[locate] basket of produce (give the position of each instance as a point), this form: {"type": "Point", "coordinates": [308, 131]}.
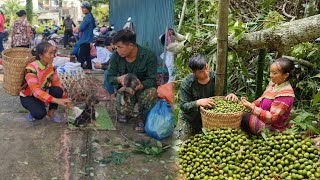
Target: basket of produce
{"type": "Point", "coordinates": [224, 114]}
{"type": "Point", "coordinates": [15, 61]}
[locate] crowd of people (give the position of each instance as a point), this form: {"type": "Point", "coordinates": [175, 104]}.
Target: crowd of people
{"type": "Point", "coordinates": [122, 55]}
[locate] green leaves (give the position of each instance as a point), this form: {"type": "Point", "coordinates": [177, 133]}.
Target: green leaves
{"type": "Point", "coordinates": [237, 30]}
{"type": "Point", "coordinates": [304, 121]}
{"type": "Point", "coordinates": [146, 148]}
{"type": "Point", "coordinates": [316, 98]}
{"type": "Point", "coordinates": [272, 19]}
{"type": "Point", "coordinates": [115, 157]}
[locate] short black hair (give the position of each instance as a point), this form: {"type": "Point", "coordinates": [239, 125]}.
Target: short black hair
{"type": "Point", "coordinates": [42, 48]}
{"type": "Point", "coordinates": [197, 62]}
{"type": "Point", "coordinates": [126, 36]}
{"type": "Point", "coordinates": [72, 39]}
{"type": "Point", "coordinates": [108, 41]}
{"type": "Point", "coordinates": [286, 66]}
{"type": "Point", "coordinates": [21, 13]}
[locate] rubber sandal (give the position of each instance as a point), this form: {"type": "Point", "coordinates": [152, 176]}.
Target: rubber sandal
{"type": "Point", "coordinates": [30, 118]}
{"type": "Point", "coordinates": [56, 118]}
{"type": "Point", "coordinates": [140, 127]}
{"type": "Point", "coordinates": [122, 118]}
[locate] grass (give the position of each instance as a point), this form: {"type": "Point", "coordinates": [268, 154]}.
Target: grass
{"type": "Point", "coordinates": [104, 121]}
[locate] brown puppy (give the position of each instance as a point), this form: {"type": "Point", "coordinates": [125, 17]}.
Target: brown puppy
{"type": "Point", "coordinates": [129, 88]}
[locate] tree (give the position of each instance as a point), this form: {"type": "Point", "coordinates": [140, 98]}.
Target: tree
{"type": "Point", "coordinates": [222, 46]}
{"type": "Point", "coordinates": [29, 8]}
{"type": "Point", "coordinates": [280, 37]}
{"type": "Point", "coordinates": [97, 2]}
{"type": "Point", "coordinates": [11, 7]}
{"type": "Point", "coordinates": [101, 13]}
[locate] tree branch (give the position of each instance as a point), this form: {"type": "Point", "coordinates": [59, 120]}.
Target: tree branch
{"type": "Point", "coordinates": [279, 38]}
{"type": "Point", "coordinates": [301, 61]}
{"type": "Point", "coordinates": [182, 15]}
{"type": "Point", "coordinates": [286, 14]}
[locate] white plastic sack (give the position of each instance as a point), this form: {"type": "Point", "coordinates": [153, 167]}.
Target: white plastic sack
{"type": "Point", "coordinates": [60, 61]}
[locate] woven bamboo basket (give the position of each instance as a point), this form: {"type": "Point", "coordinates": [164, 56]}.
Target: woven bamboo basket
{"type": "Point", "coordinates": [15, 61]}
{"type": "Point", "coordinates": [220, 120]}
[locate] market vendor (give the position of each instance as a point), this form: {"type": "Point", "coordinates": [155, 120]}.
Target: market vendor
{"type": "Point", "coordinates": [42, 85]}
{"type": "Point", "coordinates": [273, 108]}
{"type": "Point", "coordinates": [133, 58]}
{"type": "Point", "coordinates": [195, 91]}
{"type": "Point", "coordinates": [105, 55]}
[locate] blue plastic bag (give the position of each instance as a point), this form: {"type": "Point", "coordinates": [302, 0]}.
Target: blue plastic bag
{"type": "Point", "coordinates": [160, 123]}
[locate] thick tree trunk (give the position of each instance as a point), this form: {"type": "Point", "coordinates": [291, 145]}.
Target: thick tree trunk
{"type": "Point", "coordinates": [281, 37]}
{"type": "Point", "coordinates": [222, 47]}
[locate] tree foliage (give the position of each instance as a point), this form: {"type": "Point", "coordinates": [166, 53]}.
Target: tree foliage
{"type": "Point", "coordinates": [245, 17]}
{"type": "Point", "coordinates": [95, 3]}
{"type": "Point", "coordinates": [101, 13]}
{"type": "Point", "coordinates": [11, 7]}
{"type": "Point", "coordinates": [29, 9]}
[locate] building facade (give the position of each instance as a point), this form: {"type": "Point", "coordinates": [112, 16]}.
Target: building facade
{"type": "Point", "coordinates": [49, 10]}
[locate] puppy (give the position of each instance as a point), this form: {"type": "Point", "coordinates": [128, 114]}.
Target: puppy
{"type": "Point", "coordinates": [129, 88]}
{"type": "Point", "coordinates": [88, 115]}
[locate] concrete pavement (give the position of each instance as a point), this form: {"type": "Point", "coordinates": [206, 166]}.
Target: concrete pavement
{"type": "Point", "coordinates": [48, 150]}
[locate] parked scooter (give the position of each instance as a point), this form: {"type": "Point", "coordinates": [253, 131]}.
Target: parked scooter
{"type": "Point", "coordinates": [103, 34]}
{"type": "Point", "coordinates": [47, 32]}
{"type": "Point", "coordinates": [111, 31]}
{"type": "Point", "coordinates": [129, 25]}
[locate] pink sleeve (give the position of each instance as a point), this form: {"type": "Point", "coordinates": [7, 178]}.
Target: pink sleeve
{"type": "Point", "coordinates": [278, 108]}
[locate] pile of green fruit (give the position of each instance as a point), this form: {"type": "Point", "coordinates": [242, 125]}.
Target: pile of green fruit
{"type": "Point", "coordinates": [231, 154]}
{"type": "Point", "coordinates": [225, 106]}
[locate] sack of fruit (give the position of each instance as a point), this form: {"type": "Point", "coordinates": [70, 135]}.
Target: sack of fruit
{"type": "Point", "coordinates": [224, 114]}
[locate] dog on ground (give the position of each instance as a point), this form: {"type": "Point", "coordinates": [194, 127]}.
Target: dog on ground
{"type": "Point", "coordinates": [88, 115]}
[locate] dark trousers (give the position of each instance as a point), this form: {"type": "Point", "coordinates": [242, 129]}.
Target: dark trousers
{"type": "Point", "coordinates": [23, 46]}
{"type": "Point", "coordinates": [84, 55]}
{"type": "Point", "coordinates": [36, 107]}
{"type": "Point", "coordinates": [1, 43]}
{"type": "Point", "coordinates": [67, 35]}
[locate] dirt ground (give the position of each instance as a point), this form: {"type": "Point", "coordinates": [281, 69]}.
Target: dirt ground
{"type": "Point", "coordinates": [49, 150]}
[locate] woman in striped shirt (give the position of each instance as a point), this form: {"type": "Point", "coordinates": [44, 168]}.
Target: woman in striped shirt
{"type": "Point", "coordinates": [273, 108]}
{"type": "Point", "coordinates": [42, 85]}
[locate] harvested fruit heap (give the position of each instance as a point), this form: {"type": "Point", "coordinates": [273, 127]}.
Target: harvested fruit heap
{"type": "Point", "coordinates": [231, 154]}
{"type": "Point", "coordinates": [225, 106]}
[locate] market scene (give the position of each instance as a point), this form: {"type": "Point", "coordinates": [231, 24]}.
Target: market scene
{"type": "Point", "coordinates": [169, 89]}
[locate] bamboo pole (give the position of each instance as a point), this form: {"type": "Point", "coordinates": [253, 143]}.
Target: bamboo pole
{"type": "Point", "coordinates": [259, 78]}
{"type": "Point", "coordinates": [196, 4]}
{"type": "Point", "coordinates": [182, 15]}
{"type": "Point", "coordinates": [222, 46]}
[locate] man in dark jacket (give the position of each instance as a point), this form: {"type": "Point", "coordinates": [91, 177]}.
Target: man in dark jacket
{"type": "Point", "coordinates": [68, 25]}
{"type": "Point", "coordinates": [195, 91]}
{"type": "Point", "coordinates": [133, 58]}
